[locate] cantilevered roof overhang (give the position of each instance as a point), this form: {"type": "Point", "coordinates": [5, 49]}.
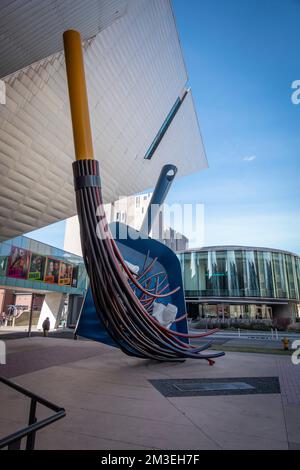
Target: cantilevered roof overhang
{"type": "Point", "coordinates": [135, 73]}
{"type": "Point", "coordinates": [32, 29]}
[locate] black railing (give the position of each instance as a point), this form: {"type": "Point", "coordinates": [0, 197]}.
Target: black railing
{"type": "Point", "coordinates": [13, 441]}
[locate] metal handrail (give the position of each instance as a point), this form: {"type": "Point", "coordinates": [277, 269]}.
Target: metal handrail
{"type": "Point", "coordinates": [13, 441]}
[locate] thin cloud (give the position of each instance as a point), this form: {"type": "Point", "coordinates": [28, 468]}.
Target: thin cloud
{"type": "Point", "coordinates": [249, 159]}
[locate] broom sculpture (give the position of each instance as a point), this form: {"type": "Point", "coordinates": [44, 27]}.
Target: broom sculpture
{"type": "Point", "coordinates": [123, 300]}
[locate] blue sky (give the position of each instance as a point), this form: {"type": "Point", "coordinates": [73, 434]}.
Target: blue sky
{"type": "Point", "coordinates": [242, 57]}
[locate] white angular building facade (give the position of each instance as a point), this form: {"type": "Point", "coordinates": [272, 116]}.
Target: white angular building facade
{"type": "Point", "coordinates": [135, 72]}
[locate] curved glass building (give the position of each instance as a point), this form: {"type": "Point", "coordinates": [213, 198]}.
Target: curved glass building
{"type": "Point", "coordinates": [238, 275]}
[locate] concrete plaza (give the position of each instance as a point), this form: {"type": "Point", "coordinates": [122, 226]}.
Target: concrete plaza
{"type": "Point", "coordinates": [111, 404]}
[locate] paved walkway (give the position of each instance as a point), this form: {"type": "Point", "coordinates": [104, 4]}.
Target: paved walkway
{"type": "Point", "coordinates": [111, 404]}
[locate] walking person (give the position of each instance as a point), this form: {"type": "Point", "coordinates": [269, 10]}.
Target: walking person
{"type": "Point", "coordinates": [46, 326]}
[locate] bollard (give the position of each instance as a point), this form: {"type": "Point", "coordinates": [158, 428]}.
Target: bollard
{"type": "Point", "coordinates": [285, 342]}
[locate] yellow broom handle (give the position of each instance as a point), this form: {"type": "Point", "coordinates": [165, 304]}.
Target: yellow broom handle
{"type": "Point", "coordinates": [78, 96]}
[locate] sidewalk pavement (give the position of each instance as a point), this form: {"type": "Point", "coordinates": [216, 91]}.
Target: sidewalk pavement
{"type": "Point", "coordinates": [111, 404]}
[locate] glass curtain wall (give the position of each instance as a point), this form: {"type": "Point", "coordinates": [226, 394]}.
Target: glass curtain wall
{"type": "Point", "coordinates": [241, 273]}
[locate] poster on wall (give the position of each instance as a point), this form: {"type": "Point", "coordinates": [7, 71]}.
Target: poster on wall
{"type": "Point", "coordinates": [65, 274]}
{"type": "Point", "coordinates": [3, 265]}
{"type": "Point", "coordinates": [52, 271]}
{"type": "Point", "coordinates": [18, 263]}
{"type": "Point", "coordinates": [37, 267]}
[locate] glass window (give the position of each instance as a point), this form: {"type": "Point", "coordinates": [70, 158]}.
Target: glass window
{"type": "Point", "coordinates": [212, 274]}
{"type": "Point", "coordinates": [251, 275]}
{"type": "Point", "coordinates": [232, 275]}
{"type": "Point", "coordinates": [221, 273]}
{"type": "Point", "coordinates": [291, 276]}
{"type": "Point", "coordinates": [202, 266]}
{"type": "Point", "coordinates": [280, 277]}
{"type": "Point", "coordinates": [240, 272]}
{"type": "Point", "coordinates": [190, 274]}
{"type": "Point", "coordinates": [265, 274]}
{"type": "Point", "coordinates": [297, 269]}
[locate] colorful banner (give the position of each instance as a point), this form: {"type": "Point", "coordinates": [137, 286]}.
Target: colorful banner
{"type": "Point", "coordinates": [18, 263]}
{"type": "Point", "coordinates": [23, 264]}
{"type": "Point", "coordinates": [65, 274]}
{"type": "Point", "coordinates": [37, 268]}
{"type": "Point", "coordinates": [52, 271]}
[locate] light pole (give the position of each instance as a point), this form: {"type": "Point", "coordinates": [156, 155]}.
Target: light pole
{"type": "Point", "coordinates": [30, 316]}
